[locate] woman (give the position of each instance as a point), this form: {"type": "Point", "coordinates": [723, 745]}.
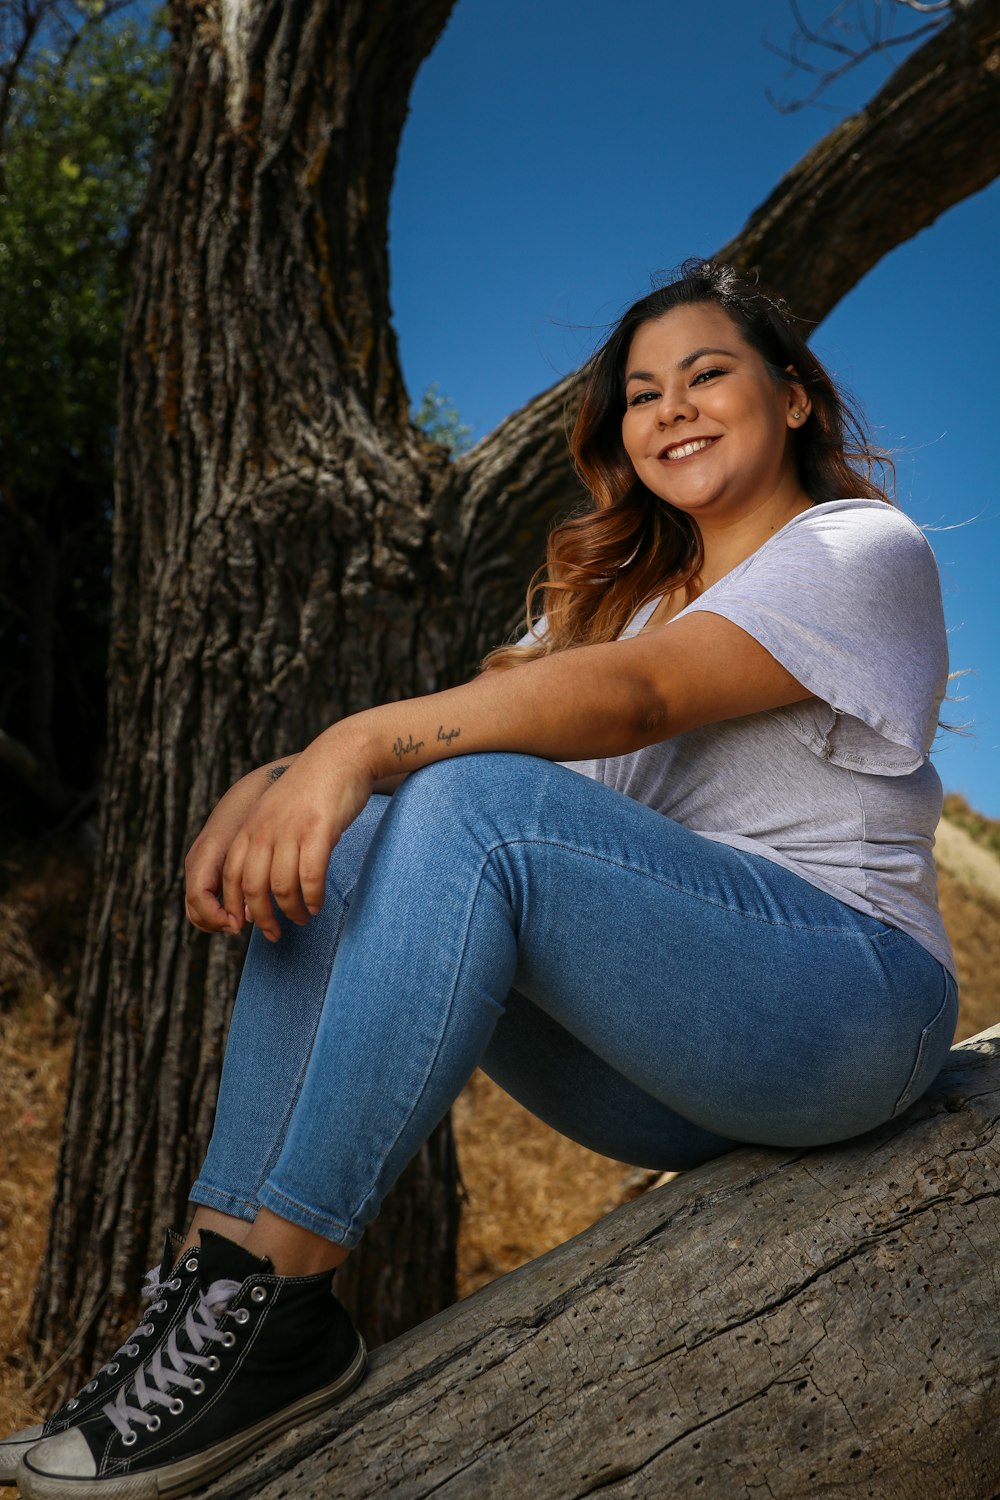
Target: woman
{"type": "Point", "coordinates": [744, 947]}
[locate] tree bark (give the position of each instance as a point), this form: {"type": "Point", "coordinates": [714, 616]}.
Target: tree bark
{"type": "Point", "coordinates": [776, 1323]}
{"type": "Point", "coordinates": [288, 549]}
{"type": "Point", "coordinates": [279, 562]}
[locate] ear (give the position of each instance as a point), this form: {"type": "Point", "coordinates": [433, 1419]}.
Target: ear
{"type": "Point", "coordinates": [798, 404]}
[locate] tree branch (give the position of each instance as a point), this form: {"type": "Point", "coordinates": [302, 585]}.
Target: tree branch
{"type": "Point", "coordinates": [776, 1322]}
{"type": "Point", "coordinates": [926, 141]}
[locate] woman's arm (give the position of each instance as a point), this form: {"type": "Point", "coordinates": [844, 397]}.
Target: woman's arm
{"type": "Point", "coordinates": [589, 702]}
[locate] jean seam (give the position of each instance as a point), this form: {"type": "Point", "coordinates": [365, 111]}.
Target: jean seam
{"type": "Point", "coordinates": [696, 896]}
{"type": "Point", "coordinates": [927, 1032]}
{"type": "Point", "coordinates": [345, 1232]}
{"type": "Point", "coordinates": [446, 1018]}
{"type": "Point", "coordinates": [276, 1145]}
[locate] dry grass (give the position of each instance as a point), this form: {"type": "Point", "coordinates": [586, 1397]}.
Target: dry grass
{"type": "Point", "coordinates": [35, 1044]}
{"type": "Point", "coordinates": [528, 1188]}
{"type": "Point", "coordinates": [973, 921]}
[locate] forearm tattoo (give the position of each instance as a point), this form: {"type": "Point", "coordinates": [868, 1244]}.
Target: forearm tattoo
{"type": "Point", "coordinates": [411, 747]}
{"type": "Point", "coordinates": [275, 772]}
{"type": "Point", "coordinates": [402, 748]}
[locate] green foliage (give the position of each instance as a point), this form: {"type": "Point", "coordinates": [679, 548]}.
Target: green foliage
{"type": "Point", "coordinates": [73, 167]}
{"type": "Point", "coordinates": [439, 419]}
{"type": "Point", "coordinates": [71, 178]}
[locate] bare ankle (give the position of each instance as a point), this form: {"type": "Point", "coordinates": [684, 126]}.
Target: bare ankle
{"type": "Point", "coordinates": [213, 1218]}
{"type": "Point", "coordinates": [292, 1250]}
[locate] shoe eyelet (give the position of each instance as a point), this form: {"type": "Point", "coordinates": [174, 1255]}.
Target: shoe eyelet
{"type": "Point", "coordinates": [214, 1363]}
{"type": "Point", "coordinates": [241, 1315]}
{"type": "Point", "coordinates": [72, 1405]}
{"type": "Point", "coordinates": [154, 1424]}
{"type": "Point", "coordinates": [191, 1265]}
{"type": "Point", "coordinates": [198, 1388]}
{"type": "Point", "coordinates": [91, 1385]}
{"type": "Point", "coordinates": [113, 1369]}
{"type": "Point", "coordinates": [174, 1283]}
{"type": "Point", "coordinates": [129, 1439]}
{"type": "Point", "coordinates": [228, 1340]}
{"type": "Point", "coordinates": [144, 1330]}
{"type": "Point", "coordinates": [131, 1350]}
{"type": "Point", "coordinates": [259, 1294]}
{"type": "Point", "coordinates": [160, 1306]}
{"type": "Point", "coordinates": [176, 1406]}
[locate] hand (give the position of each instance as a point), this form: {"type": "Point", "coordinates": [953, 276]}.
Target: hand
{"type": "Point", "coordinates": [283, 847]}
{"type": "Point", "coordinates": [207, 855]}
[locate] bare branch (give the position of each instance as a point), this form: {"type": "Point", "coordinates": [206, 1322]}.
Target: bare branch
{"type": "Point", "coordinates": [833, 37]}
{"type": "Point", "coordinates": [57, 25]}
{"type": "Point", "coordinates": [924, 142]}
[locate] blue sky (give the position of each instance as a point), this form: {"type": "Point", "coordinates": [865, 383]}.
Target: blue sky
{"type": "Point", "coordinates": [558, 152]}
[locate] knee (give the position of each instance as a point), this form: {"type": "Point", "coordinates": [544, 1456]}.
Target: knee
{"type": "Point", "coordinates": [484, 789]}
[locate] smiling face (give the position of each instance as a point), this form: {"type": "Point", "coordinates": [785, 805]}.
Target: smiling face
{"type": "Point", "coordinates": [706, 426]}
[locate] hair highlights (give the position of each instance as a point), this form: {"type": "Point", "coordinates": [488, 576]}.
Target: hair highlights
{"type": "Point", "coordinates": [602, 566]}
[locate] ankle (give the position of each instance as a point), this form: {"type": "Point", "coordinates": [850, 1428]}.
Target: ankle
{"type": "Point", "coordinates": [233, 1229]}
{"type": "Point", "coordinates": [292, 1250]}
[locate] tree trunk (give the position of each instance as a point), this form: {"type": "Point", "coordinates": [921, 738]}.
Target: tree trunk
{"type": "Point", "coordinates": [279, 562]}
{"type": "Point", "coordinates": [289, 549]}
{"type": "Point", "coordinates": [775, 1323]}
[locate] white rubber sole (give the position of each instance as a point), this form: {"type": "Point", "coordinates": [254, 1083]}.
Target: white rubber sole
{"type": "Point", "coordinates": [172, 1480]}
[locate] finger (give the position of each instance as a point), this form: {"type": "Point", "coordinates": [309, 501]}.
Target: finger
{"type": "Point", "coordinates": [232, 883]}
{"type": "Point", "coordinates": [207, 918]}
{"type": "Point", "coordinates": [314, 858]}
{"type": "Point", "coordinates": [285, 882]}
{"type": "Point", "coordinates": [255, 888]}
{"type": "Point", "coordinates": [201, 900]}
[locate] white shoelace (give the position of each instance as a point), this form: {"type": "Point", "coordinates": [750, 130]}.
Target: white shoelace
{"type": "Point", "coordinates": [152, 1288]}
{"type": "Point", "coordinates": [168, 1369]}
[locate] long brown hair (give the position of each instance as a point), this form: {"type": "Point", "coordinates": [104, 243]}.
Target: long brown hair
{"type": "Point", "coordinates": [602, 566]}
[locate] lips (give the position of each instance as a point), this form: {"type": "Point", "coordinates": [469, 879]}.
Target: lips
{"type": "Point", "coordinates": [675, 451]}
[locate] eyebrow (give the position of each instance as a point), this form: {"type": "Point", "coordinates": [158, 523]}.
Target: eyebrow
{"type": "Point", "coordinates": [682, 364]}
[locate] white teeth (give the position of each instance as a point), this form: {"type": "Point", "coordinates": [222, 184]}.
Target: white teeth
{"type": "Point", "coordinates": [687, 449]}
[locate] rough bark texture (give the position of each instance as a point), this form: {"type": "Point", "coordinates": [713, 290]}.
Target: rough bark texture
{"type": "Point", "coordinates": [775, 1324]}
{"type": "Point", "coordinates": [288, 549]}
{"type": "Point", "coordinates": [278, 563]}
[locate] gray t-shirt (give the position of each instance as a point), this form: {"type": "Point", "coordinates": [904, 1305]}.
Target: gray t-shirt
{"type": "Point", "coordinates": [838, 788]}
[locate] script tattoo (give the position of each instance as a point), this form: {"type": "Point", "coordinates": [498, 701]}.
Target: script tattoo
{"type": "Point", "coordinates": [412, 747]}
{"type": "Point", "coordinates": [447, 735]}
{"type": "Point", "coordinates": [275, 772]}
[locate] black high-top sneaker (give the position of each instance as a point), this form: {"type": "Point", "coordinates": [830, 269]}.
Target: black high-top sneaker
{"type": "Point", "coordinates": [167, 1291]}
{"type": "Point", "coordinates": [255, 1353]}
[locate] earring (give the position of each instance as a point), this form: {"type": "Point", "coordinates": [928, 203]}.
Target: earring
{"type": "Point", "coordinates": [796, 416]}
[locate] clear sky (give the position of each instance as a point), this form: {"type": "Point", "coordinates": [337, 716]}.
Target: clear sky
{"type": "Point", "coordinates": [558, 152]}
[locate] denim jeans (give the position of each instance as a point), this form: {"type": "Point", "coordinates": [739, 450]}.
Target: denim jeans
{"type": "Point", "coordinates": [655, 995]}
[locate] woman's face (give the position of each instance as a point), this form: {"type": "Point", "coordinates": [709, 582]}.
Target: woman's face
{"type": "Point", "coordinates": [706, 427]}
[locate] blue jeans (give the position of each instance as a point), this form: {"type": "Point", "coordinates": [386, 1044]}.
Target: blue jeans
{"type": "Point", "coordinates": [652, 994]}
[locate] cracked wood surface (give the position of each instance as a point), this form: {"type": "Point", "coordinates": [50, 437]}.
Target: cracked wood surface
{"type": "Point", "coordinates": [777, 1324]}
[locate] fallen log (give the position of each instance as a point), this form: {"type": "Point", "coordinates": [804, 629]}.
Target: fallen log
{"type": "Point", "coordinates": [774, 1324]}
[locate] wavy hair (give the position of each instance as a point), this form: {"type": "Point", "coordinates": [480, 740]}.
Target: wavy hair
{"type": "Point", "coordinates": [631, 545]}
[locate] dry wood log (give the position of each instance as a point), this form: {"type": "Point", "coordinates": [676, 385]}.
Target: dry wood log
{"type": "Point", "coordinates": [776, 1324]}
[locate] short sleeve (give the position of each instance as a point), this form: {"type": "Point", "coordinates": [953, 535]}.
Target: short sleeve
{"type": "Point", "coordinates": [847, 597]}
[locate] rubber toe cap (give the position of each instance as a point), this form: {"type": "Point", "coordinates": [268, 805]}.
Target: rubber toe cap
{"type": "Point", "coordinates": [64, 1456]}
{"type": "Point", "coordinates": [13, 1449]}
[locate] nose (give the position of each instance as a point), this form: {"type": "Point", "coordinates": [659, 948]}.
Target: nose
{"type": "Point", "coordinates": [675, 407]}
